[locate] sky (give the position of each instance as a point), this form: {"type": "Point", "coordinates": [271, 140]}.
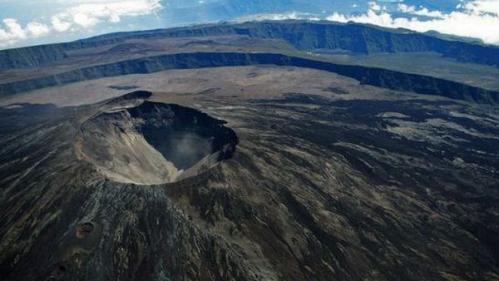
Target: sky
{"type": "Point", "coordinates": [29, 22]}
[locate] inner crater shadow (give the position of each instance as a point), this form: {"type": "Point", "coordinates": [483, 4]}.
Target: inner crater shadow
{"type": "Point", "coordinates": [184, 136]}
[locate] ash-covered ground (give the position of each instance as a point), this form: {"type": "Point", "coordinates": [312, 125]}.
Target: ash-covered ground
{"type": "Point", "coordinates": [138, 159]}
{"type": "Point", "coordinates": [333, 181]}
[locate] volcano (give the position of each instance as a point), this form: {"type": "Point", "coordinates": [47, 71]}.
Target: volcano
{"type": "Point", "coordinates": [283, 150]}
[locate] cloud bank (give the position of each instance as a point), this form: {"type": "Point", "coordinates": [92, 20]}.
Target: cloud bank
{"type": "Point", "coordinates": [78, 15]}
{"type": "Point", "coordinates": [477, 19]}
{"type": "Point", "coordinates": [72, 18]}
{"type": "Point", "coordinates": [291, 15]}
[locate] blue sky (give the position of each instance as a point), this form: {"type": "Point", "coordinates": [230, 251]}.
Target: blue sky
{"type": "Point", "coordinates": [28, 22]}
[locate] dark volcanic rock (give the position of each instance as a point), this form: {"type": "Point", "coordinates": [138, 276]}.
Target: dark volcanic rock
{"type": "Point", "coordinates": [316, 190]}
{"type": "Point", "coordinates": [338, 182]}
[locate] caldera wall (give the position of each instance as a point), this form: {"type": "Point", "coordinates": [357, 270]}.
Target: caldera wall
{"type": "Point", "coordinates": [153, 143]}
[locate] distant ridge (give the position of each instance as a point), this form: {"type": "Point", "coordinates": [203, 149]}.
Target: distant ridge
{"type": "Point", "coordinates": [303, 35]}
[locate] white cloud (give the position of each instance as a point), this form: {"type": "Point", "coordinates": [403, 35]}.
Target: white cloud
{"type": "Point", "coordinates": [11, 33]}
{"type": "Point", "coordinates": [374, 6]}
{"type": "Point", "coordinates": [293, 15]}
{"type": "Point", "coordinates": [14, 28]}
{"type": "Point", "coordinates": [90, 13]}
{"type": "Point", "coordinates": [59, 24]}
{"type": "Point", "coordinates": [478, 19]}
{"type": "Point", "coordinates": [36, 29]}
{"type": "Point", "coordinates": [80, 14]}
{"type": "Point", "coordinates": [422, 11]}
{"type": "Point", "coordinates": [482, 6]}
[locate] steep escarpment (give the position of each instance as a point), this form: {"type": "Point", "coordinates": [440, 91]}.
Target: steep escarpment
{"type": "Point", "coordinates": [355, 38]}
{"type": "Point", "coordinates": [368, 75]}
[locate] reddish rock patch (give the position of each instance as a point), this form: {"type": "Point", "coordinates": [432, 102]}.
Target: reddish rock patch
{"type": "Point", "coordinates": [83, 230]}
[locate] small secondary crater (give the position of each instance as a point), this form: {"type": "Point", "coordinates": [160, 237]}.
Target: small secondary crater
{"type": "Point", "coordinates": [57, 273]}
{"type": "Point", "coordinates": [154, 143]}
{"type": "Point", "coordinates": [83, 230]}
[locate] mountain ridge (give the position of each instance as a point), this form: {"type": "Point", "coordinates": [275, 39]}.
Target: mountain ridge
{"type": "Point", "coordinates": [303, 35]}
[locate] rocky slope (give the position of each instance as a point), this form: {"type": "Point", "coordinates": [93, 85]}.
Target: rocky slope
{"type": "Point", "coordinates": [317, 189]}
{"type": "Point", "coordinates": [241, 163]}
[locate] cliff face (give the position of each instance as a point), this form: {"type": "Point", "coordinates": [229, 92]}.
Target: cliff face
{"type": "Point", "coordinates": [355, 38]}
{"type": "Point", "coordinates": [371, 76]}
{"type": "Point", "coordinates": [365, 39]}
